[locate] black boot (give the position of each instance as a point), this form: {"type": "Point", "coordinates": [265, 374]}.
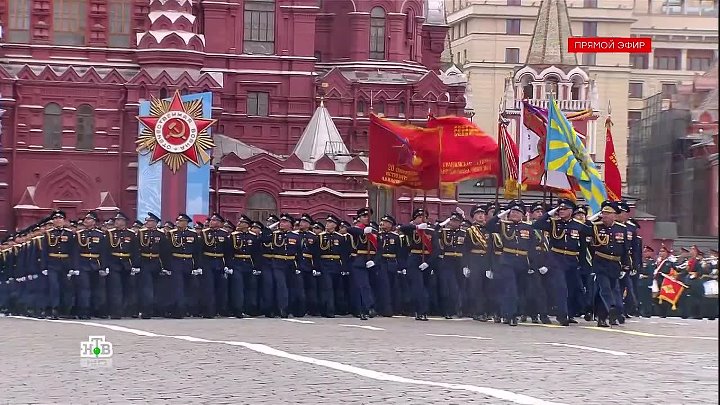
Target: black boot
{"type": "Point", "coordinates": [602, 323]}
{"type": "Point", "coordinates": [363, 317]}
{"type": "Point", "coordinates": [54, 314]}
{"type": "Point", "coordinates": [482, 318]}
{"type": "Point", "coordinates": [513, 322]}
{"type": "Point", "coordinates": [534, 319]}
{"type": "Point", "coordinates": [523, 318]}
{"type": "Point", "coordinates": [545, 320]}
{"type": "Point", "coordinates": [424, 317]}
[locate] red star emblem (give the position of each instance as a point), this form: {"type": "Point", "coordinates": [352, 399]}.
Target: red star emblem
{"type": "Point", "coordinates": [176, 132]}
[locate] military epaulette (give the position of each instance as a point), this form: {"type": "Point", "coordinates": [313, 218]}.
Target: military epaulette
{"type": "Point", "coordinates": [394, 233]}
{"type": "Point", "coordinates": [597, 223]}
{"type": "Point", "coordinates": [296, 232]}
{"type": "Point", "coordinates": [38, 237]}
{"type": "Point", "coordinates": [191, 230]}
{"type": "Point", "coordinates": [579, 221]}
{"type": "Point", "coordinates": [253, 233]}
{"type": "Point", "coordinates": [526, 222]}
{"type": "Point", "coordinates": [277, 231]}
{"type": "Point", "coordinates": [142, 229]}
{"type": "Point", "coordinates": [172, 230]}
{"type": "Point", "coordinates": [505, 221]}
{"type": "Point", "coordinates": [618, 223]}
{"type": "Point", "coordinates": [111, 229]}
{"type": "Point", "coordinates": [68, 229]}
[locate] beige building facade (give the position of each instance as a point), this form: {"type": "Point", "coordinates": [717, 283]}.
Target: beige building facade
{"type": "Point", "coordinates": [490, 40]}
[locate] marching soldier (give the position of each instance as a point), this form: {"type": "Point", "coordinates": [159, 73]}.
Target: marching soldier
{"type": "Point", "coordinates": [334, 248]}
{"type": "Point", "coordinates": [420, 237]}
{"type": "Point", "coordinates": [90, 258]}
{"type": "Point", "coordinates": [350, 303]}
{"type": "Point", "coordinates": [478, 262]}
{"type": "Point", "coordinates": [627, 285]}
{"type": "Point", "coordinates": [264, 297]}
{"type": "Point", "coordinates": [58, 250]}
{"type": "Point", "coordinates": [534, 290]}
{"type": "Point", "coordinates": [305, 283]}
{"type": "Point", "coordinates": [184, 263]}
{"type": "Point", "coordinates": [585, 265]}
{"type": "Point", "coordinates": [664, 264]}
{"type": "Point", "coordinates": [286, 251]}
{"type": "Point", "coordinates": [516, 238]}
{"type": "Point", "coordinates": [449, 249]}
{"type": "Point", "coordinates": [565, 235]}
{"type": "Point", "coordinates": [217, 255]}
{"type": "Point", "coordinates": [611, 261]}
{"type": "Point", "coordinates": [389, 251]}
{"type": "Point", "coordinates": [153, 254]}
{"type": "Point", "coordinates": [122, 266]}
{"type": "Point", "coordinates": [246, 252]}
{"type": "Point", "coordinates": [364, 244]}
{"type": "Point", "coordinates": [645, 282]}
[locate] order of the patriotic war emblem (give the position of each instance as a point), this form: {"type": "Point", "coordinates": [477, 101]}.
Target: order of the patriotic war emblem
{"type": "Point", "coordinates": [175, 132]}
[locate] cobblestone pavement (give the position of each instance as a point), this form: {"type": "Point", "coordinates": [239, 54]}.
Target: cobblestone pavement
{"type": "Point", "coordinates": [332, 361]}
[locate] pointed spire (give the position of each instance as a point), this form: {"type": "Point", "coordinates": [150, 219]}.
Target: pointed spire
{"type": "Point", "coordinates": [550, 38]}
{"type": "Point", "coordinates": [320, 137]}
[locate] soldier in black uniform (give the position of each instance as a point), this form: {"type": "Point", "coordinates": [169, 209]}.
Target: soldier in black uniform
{"type": "Point", "coordinates": [390, 251]}
{"type": "Point", "coordinates": [184, 256]}
{"type": "Point", "coordinates": [254, 290]}
{"type": "Point", "coordinates": [535, 297]}
{"type": "Point", "coordinates": [420, 237]}
{"type": "Point", "coordinates": [286, 250]}
{"type": "Point", "coordinates": [334, 248]}
{"type": "Point", "coordinates": [122, 265]}
{"type": "Point", "coordinates": [245, 247]}
{"type": "Point", "coordinates": [58, 250]}
{"type": "Point", "coordinates": [309, 264]}
{"type": "Point", "coordinates": [478, 262]}
{"type": "Point", "coordinates": [364, 245]}
{"type": "Point", "coordinates": [153, 255]}
{"type": "Point", "coordinates": [450, 249]}
{"type": "Point", "coordinates": [611, 260]}
{"type": "Point", "coordinates": [217, 256]}
{"type": "Point", "coordinates": [90, 261]}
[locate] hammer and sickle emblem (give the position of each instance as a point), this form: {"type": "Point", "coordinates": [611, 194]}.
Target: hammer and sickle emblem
{"type": "Point", "coordinates": [176, 130]}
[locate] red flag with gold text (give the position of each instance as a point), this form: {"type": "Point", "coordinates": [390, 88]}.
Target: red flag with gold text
{"type": "Point", "coordinates": [613, 181]}
{"type": "Point", "coordinates": [403, 155]}
{"type": "Point", "coordinates": [466, 151]}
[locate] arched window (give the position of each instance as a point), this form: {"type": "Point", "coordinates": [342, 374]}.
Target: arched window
{"type": "Point", "coordinates": [69, 18]}
{"type": "Point", "coordinates": [377, 33]}
{"type": "Point", "coordinates": [527, 87]}
{"type": "Point", "coordinates": [85, 127]}
{"type": "Point", "coordinates": [163, 93]}
{"type": "Point", "coordinates": [361, 107]}
{"type": "Point", "coordinates": [401, 109]}
{"type": "Point", "coordinates": [260, 206]}
{"type": "Point", "coordinates": [52, 126]}
{"type": "Point", "coordinates": [577, 87]}
{"type": "Point", "coordinates": [184, 92]}
{"type": "Point", "coordinates": [379, 108]}
{"type": "Point", "coordinates": [551, 86]}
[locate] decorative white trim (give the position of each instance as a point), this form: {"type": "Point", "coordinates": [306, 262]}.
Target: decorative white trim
{"type": "Point", "coordinates": [171, 15]}
{"type": "Point", "coordinates": [26, 207]}
{"type": "Point", "coordinates": [323, 172]}
{"type": "Point", "coordinates": [231, 191]}
{"type": "Point", "coordinates": [324, 190]}
{"type": "Point", "coordinates": [429, 199]}
{"type": "Point", "coordinates": [232, 169]}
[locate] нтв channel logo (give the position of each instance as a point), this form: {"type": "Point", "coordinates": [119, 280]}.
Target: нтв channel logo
{"type": "Point", "coordinates": [96, 347]}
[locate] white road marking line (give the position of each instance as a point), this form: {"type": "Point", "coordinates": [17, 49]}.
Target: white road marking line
{"type": "Point", "coordinates": [710, 367]}
{"type": "Point", "coordinates": [459, 336]}
{"type": "Point", "coordinates": [297, 321]}
{"type": "Point", "coordinates": [375, 375]}
{"type": "Point", "coordinates": [550, 325]}
{"type": "Point", "coordinates": [592, 349]}
{"type": "Point", "coordinates": [645, 334]}
{"type": "Point", "coordinates": [361, 327]}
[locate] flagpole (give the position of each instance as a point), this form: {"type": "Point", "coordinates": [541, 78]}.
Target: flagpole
{"type": "Point", "coordinates": [520, 143]}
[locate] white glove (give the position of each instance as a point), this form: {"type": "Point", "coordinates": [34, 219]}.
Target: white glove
{"type": "Point", "coordinates": [714, 262]}
{"type": "Point", "coordinates": [316, 273]}
{"type": "Point", "coordinates": [693, 276]}
{"type": "Point", "coordinates": [466, 272]}
{"type": "Point", "coordinates": [344, 273]}
{"type": "Point", "coordinates": [44, 272]}
{"type": "Point", "coordinates": [228, 270]}
{"type": "Point", "coordinates": [531, 271]}
{"type": "Point", "coordinates": [69, 275]}
{"type": "Point", "coordinates": [165, 272]}
{"type": "Point", "coordinates": [297, 271]}
{"type": "Point", "coordinates": [594, 216]}
{"type": "Point", "coordinates": [633, 272]}
{"type": "Point", "coordinates": [421, 226]}
{"type": "Point", "coordinates": [104, 272]}
{"type": "Point", "coordinates": [369, 264]}
{"type": "Point", "coordinates": [543, 270]}
{"type": "Point", "coordinates": [197, 272]}
{"type": "Point", "coordinates": [489, 274]}
{"type": "Point", "coordinates": [445, 222]}
{"type": "Point", "coordinates": [503, 214]}
{"type": "Point", "coordinates": [403, 271]}
{"type": "Point", "coordinates": [134, 271]}
{"type": "Point", "coordinates": [423, 266]}
{"type": "Point", "coordinates": [256, 272]}
{"type": "Point", "coordinates": [273, 225]}
{"type": "Point", "coordinates": [367, 230]}
{"type": "Point", "coordinates": [622, 274]}
{"type": "Point", "coordinates": [553, 211]}
{"type": "Point", "coordinates": [672, 259]}
{"type": "Point", "coordinates": [460, 211]}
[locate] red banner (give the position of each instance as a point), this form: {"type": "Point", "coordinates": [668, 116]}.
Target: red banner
{"type": "Point", "coordinates": [466, 151]}
{"type": "Point", "coordinates": [670, 290]}
{"type": "Point", "coordinates": [403, 156]}
{"type": "Point", "coordinates": [613, 181]}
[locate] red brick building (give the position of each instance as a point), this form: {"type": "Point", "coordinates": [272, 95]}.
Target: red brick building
{"type": "Point", "coordinates": [74, 71]}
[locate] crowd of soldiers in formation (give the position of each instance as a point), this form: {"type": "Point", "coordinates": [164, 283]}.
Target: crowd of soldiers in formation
{"type": "Point", "coordinates": [504, 265]}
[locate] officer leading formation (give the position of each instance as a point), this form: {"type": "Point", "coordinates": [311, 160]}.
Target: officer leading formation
{"type": "Point", "coordinates": [504, 265]}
